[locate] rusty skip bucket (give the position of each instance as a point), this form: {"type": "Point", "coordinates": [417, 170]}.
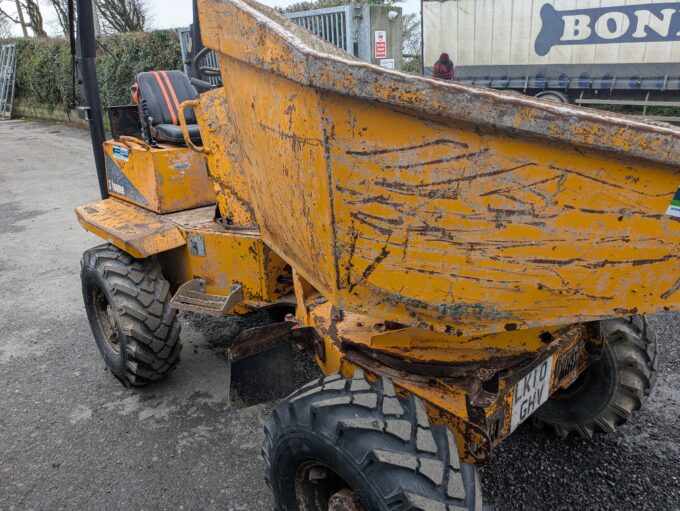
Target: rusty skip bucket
{"type": "Point", "coordinates": [437, 204]}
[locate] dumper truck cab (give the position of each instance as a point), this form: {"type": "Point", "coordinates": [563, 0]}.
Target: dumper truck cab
{"type": "Point", "coordinates": [457, 260]}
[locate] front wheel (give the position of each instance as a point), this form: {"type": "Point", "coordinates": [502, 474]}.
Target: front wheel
{"type": "Point", "coordinates": [127, 302]}
{"type": "Point", "coordinates": [608, 392]}
{"type": "Point", "coordinates": [348, 444]}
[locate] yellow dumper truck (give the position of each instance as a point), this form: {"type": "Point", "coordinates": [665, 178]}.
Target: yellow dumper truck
{"type": "Point", "coordinates": [456, 259]}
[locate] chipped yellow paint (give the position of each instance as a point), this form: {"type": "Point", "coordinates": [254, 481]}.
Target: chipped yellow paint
{"type": "Point", "coordinates": [219, 138]}
{"type": "Point", "coordinates": [440, 205]}
{"type": "Point", "coordinates": [259, 36]}
{"type": "Point", "coordinates": [420, 362]}
{"type": "Point", "coordinates": [437, 233]}
{"type": "Point", "coordinates": [419, 344]}
{"type": "Point", "coordinates": [137, 231]}
{"type": "Point", "coordinates": [230, 256]}
{"type": "Point", "coordinates": [166, 179]}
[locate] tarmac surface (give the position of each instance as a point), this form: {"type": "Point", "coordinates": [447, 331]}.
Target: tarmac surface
{"type": "Point", "coordinates": [72, 437]}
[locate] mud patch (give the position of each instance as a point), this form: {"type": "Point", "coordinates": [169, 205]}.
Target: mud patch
{"type": "Point", "coordinates": [80, 413]}
{"type": "Point", "coordinates": [5, 266]}
{"type": "Point", "coordinates": [218, 334]}
{"type": "Point", "coordinates": [11, 213]}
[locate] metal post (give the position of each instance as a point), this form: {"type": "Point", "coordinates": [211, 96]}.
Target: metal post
{"type": "Point", "coordinates": [95, 16]}
{"type": "Point", "coordinates": [349, 30]}
{"type": "Point", "coordinates": [87, 54]}
{"type": "Point", "coordinates": [362, 30]}
{"type": "Point", "coordinates": [22, 22]}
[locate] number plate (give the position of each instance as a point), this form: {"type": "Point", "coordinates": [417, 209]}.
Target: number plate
{"type": "Point", "coordinates": [531, 392]}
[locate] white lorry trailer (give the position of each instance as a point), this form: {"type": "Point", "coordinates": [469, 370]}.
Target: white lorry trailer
{"type": "Point", "coordinates": [583, 51]}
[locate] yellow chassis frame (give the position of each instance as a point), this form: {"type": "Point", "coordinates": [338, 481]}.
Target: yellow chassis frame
{"type": "Point", "coordinates": [190, 244]}
{"type": "Point", "coordinates": [466, 383]}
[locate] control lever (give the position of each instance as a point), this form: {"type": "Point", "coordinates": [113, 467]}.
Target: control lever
{"type": "Point", "coordinates": [148, 120]}
{"type": "Point", "coordinates": [203, 85]}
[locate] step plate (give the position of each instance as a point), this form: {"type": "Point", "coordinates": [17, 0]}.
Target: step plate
{"type": "Point", "coordinates": [191, 297]}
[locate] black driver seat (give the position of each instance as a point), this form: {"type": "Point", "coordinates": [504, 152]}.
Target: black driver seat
{"type": "Point", "coordinates": [164, 92]}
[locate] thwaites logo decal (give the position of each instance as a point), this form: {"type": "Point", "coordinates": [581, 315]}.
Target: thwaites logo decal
{"type": "Point", "coordinates": [120, 184]}
{"type": "Point", "coordinates": [642, 23]}
{"type": "Point", "coordinates": [674, 208]}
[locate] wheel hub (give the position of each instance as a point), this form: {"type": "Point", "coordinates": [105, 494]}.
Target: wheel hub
{"type": "Point", "coordinates": [345, 500]}
{"type": "Point", "coordinates": [106, 319]}
{"type": "Point", "coordinates": [317, 487]}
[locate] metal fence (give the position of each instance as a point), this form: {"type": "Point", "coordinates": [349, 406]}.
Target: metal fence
{"type": "Point", "coordinates": [334, 24]}
{"type": "Point", "coordinates": [337, 25]}
{"type": "Point", "coordinates": [8, 54]}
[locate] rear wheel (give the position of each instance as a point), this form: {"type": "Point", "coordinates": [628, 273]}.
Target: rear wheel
{"type": "Point", "coordinates": [554, 95]}
{"type": "Point", "coordinates": [339, 444]}
{"type": "Point", "coordinates": [607, 393]}
{"type": "Point", "coordinates": [128, 306]}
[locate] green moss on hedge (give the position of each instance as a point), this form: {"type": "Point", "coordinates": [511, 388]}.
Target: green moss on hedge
{"type": "Point", "coordinates": [44, 65]}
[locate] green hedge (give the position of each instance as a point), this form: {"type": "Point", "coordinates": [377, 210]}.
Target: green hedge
{"type": "Point", "coordinates": [44, 66]}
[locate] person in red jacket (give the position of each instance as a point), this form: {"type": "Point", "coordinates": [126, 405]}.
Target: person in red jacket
{"type": "Point", "coordinates": [443, 68]}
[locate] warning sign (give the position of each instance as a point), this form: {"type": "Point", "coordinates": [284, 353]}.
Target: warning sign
{"type": "Point", "coordinates": [380, 44]}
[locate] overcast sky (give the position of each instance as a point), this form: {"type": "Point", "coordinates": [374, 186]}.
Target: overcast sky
{"type": "Point", "coordinates": [177, 13]}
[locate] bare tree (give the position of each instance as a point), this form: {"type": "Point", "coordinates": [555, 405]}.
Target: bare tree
{"type": "Point", "coordinates": [123, 15]}
{"type": "Point", "coordinates": [10, 18]}
{"type": "Point", "coordinates": [5, 28]}
{"type": "Point", "coordinates": [31, 9]}
{"type": "Point", "coordinates": [61, 8]}
{"type": "Point", "coordinates": [20, 17]}
{"type": "Point", "coordinates": [62, 21]}
{"type": "Point", "coordinates": [410, 42]}
{"type": "Point", "coordinates": [35, 19]}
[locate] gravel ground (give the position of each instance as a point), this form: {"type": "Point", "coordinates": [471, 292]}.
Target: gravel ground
{"type": "Point", "coordinates": [71, 437]}
{"type": "Point", "coordinates": [638, 467]}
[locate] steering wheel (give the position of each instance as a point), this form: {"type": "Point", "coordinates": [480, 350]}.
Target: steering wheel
{"type": "Point", "coordinates": [204, 70]}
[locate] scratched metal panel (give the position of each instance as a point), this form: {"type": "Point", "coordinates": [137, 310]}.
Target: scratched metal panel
{"type": "Point", "coordinates": [439, 204]}
{"type": "Point", "coordinates": [281, 148]}
{"type": "Point", "coordinates": [483, 232]}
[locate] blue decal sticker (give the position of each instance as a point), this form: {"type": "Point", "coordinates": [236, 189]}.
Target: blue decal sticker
{"type": "Point", "coordinates": [641, 23]}
{"type": "Point", "coordinates": [674, 209]}
{"type": "Point", "coordinates": [122, 153]}
{"type": "Point", "coordinates": [676, 197]}
{"type": "Point", "coordinates": [120, 184]}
